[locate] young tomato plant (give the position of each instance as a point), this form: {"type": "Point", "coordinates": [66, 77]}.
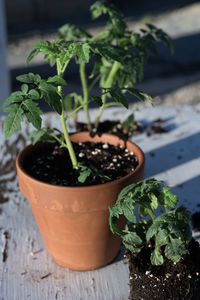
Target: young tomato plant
{"type": "Point", "coordinates": [24, 103]}
{"type": "Point", "coordinates": [167, 235]}
{"type": "Point", "coordinates": [116, 73]}
{"type": "Point", "coordinates": [34, 88]}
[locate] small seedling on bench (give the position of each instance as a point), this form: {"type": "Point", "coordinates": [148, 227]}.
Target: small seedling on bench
{"type": "Point", "coordinates": [167, 235]}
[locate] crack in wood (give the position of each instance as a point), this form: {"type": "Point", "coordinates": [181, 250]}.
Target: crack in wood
{"type": "Point", "coordinates": [5, 237]}
{"type": "Point", "coordinates": [45, 276]}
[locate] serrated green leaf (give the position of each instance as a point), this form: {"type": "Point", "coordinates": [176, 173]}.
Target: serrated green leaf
{"type": "Point", "coordinates": [50, 50]}
{"type": "Point", "coordinates": [118, 26]}
{"type": "Point", "coordinates": [17, 93]}
{"type": "Point", "coordinates": [24, 88]}
{"type": "Point", "coordinates": [33, 53]}
{"type": "Point", "coordinates": [152, 230]}
{"type": "Point", "coordinates": [32, 112]}
{"type": "Point", "coordinates": [41, 44]}
{"type": "Point", "coordinates": [133, 239]}
{"type": "Point", "coordinates": [119, 97]}
{"type": "Point", "coordinates": [140, 95]}
{"type": "Point", "coordinates": [13, 121]}
{"type": "Point", "coordinates": [34, 94]}
{"type": "Point", "coordinates": [156, 258]}
{"type": "Point", "coordinates": [162, 237]}
{"type": "Point", "coordinates": [154, 201]}
{"type": "Point", "coordinates": [51, 96]}
{"type": "Point", "coordinates": [170, 199]}
{"type": "Point", "coordinates": [127, 191]}
{"type": "Point", "coordinates": [176, 230]}
{"type": "Point", "coordinates": [128, 121]}
{"type": "Point", "coordinates": [129, 211]}
{"type": "Point", "coordinates": [109, 52]}
{"type": "Point", "coordinates": [12, 99]}
{"type": "Point", "coordinates": [113, 222]}
{"type": "Point", "coordinates": [29, 78]}
{"type": "Point", "coordinates": [69, 32]}
{"type": "Point", "coordinates": [50, 59]}
{"type": "Point", "coordinates": [64, 56]}
{"type": "Point", "coordinates": [103, 7]}
{"type": "Point", "coordinates": [132, 248]}
{"type": "Point", "coordinates": [84, 174]}
{"type": "Point", "coordinates": [83, 52]}
{"type": "Point", "coordinates": [175, 250]}
{"type": "Point", "coordinates": [102, 36]}
{"type": "Point", "coordinates": [57, 80]}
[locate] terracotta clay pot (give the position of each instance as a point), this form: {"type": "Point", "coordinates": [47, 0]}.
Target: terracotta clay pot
{"type": "Point", "coordinates": [74, 220]}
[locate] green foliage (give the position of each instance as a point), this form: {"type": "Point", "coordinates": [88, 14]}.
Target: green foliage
{"type": "Point", "coordinates": [103, 7]}
{"type": "Point", "coordinates": [115, 43]}
{"type": "Point", "coordinates": [89, 173]}
{"type": "Point", "coordinates": [23, 103]}
{"type": "Point", "coordinates": [119, 57]}
{"type": "Point", "coordinates": [167, 235]}
{"type": "Point", "coordinates": [119, 97]}
{"type": "Point", "coordinates": [129, 121]}
{"type": "Point", "coordinates": [13, 120]}
{"type": "Point", "coordinates": [68, 32]}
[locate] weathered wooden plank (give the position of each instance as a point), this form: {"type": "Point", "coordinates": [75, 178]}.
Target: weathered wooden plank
{"type": "Point", "coordinates": [27, 271]}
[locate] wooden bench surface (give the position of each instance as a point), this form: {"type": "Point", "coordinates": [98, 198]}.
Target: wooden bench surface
{"type": "Point", "coordinates": [27, 271]}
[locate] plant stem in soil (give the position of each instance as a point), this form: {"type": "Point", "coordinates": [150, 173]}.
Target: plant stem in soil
{"type": "Point", "coordinates": [63, 123]}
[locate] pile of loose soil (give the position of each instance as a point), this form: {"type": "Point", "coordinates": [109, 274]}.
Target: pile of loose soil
{"type": "Point", "coordinates": [156, 127]}
{"type": "Point", "coordinates": [113, 127]}
{"type": "Point", "coordinates": [51, 164]}
{"type": "Point", "coordinates": [171, 281]}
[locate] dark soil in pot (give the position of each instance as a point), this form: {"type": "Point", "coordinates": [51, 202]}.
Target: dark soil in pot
{"type": "Point", "coordinates": [171, 281]}
{"type": "Point", "coordinates": [113, 127]}
{"type": "Point", "coordinates": [51, 164]}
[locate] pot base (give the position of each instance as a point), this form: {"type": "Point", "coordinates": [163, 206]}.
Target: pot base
{"type": "Point", "coordinates": [83, 269]}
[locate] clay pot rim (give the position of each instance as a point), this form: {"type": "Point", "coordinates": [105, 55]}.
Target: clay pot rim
{"type": "Point", "coordinates": [141, 162]}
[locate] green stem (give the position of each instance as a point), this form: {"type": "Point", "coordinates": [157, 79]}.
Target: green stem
{"type": "Point", "coordinates": [68, 141]}
{"type": "Point", "coordinates": [165, 208]}
{"type": "Point", "coordinates": [151, 215]}
{"type": "Point", "coordinates": [85, 94]}
{"type": "Point", "coordinates": [58, 140]}
{"type": "Point", "coordinates": [73, 112]}
{"type": "Point", "coordinates": [113, 104]}
{"type": "Point", "coordinates": [63, 123]}
{"type": "Point", "coordinates": [108, 84]}
{"type": "Point", "coordinates": [62, 69]}
{"type": "Point", "coordinates": [95, 80]}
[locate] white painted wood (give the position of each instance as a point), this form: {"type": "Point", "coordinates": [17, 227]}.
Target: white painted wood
{"type": "Point", "coordinates": [4, 76]}
{"type": "Point", "coordinates": [28, 272]}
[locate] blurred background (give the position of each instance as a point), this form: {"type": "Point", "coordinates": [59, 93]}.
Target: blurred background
{"type": "Point", "coordinates": [169, 78]}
